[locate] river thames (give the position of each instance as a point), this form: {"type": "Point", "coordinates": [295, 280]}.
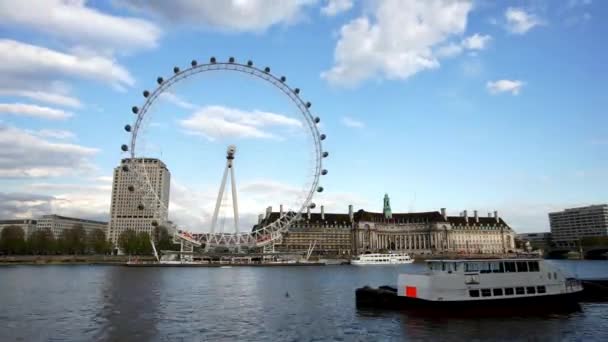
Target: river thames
{"type": "Point", "coordinates": [116, 303]}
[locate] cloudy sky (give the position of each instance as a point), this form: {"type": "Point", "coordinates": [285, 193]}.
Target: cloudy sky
{"type": "Point", "coordinates": [460, 104]}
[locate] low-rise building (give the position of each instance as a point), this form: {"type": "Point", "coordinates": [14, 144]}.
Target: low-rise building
{"type": "Point", "coordinates": [28, 225]}
{"type": "Point", "coordinates": [57, 224]}
{"type": "Point", "coordinates": [362, 232]}
{"type": "Point", "coordinates": [326, 234]}
{"type": "Point", "coordinates": [536, 241]}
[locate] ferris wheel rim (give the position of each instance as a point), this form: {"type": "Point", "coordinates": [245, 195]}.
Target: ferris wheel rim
{"type": "Point", "coordinates": [271, 231]}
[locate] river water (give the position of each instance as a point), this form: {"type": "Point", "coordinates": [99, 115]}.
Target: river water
{"type": "Point", "coordinates": [116, 303]}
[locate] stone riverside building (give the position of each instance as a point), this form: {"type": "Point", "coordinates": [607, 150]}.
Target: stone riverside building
{"type": "Point", "coordinates": [417, 233]}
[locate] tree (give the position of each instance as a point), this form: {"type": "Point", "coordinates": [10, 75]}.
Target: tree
{"type": "Point", "coordinates": [97, 242]}
{"type": "Point", "coordinates": [41, 241]}
{"type": "Point", "coordinates": [12, 240]}
{"type": "Point", "coordinates": [73, 240]}
{"type": "Point", "coordinates": [127, 241]}
{"type": "Point", "coordinates": [162, 238]}
{"type": "Point", "coordinates": [143, 244]}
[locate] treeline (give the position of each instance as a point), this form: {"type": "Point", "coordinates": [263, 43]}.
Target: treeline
{"type": "Point", "coordinates": [76, 241]}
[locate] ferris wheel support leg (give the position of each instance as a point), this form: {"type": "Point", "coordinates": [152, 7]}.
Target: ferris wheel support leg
{"type": "Point", "coordinates": [235, 206]}
{"type": "Point", "coordinates": [219, 200]}
{"type": "Point", "coordinates": [218, 203]}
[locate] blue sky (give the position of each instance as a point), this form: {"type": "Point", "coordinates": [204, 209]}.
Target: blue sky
{"type": "Point", "coordinates": [476, 105]}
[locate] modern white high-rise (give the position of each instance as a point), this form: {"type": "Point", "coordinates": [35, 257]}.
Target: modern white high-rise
{"type": "Point", "coordinates": [571, 225]}
{"type": "Point", "coordinates": [128, 210]}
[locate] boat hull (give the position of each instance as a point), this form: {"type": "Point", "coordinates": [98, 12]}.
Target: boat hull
{"type": "Point", "coordinates": [386, 298]}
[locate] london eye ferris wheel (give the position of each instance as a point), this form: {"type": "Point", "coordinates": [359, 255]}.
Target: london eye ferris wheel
{"type": "Point", "coordinates": [149, 198]}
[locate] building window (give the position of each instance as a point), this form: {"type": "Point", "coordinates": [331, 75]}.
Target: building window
{"type": "Point", "coordinates": [522, 266]}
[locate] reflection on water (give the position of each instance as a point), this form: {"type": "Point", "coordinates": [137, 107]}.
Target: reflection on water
{"type": "Point", "coordinates": [87, 303]}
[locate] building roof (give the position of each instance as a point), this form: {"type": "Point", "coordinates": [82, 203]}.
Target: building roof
{"type": "Point", "coordinates": [362, 215]}
{"type": "Point", "coordinates": [72, 219]}
{"type": "Point", "coordinates": [484, 221]}
{"type": "Point", "coordinates": [315, 218]}
{"type": "Point", "coordinates": [429, 216]}
{"type": "Point", "coordinates": [21, 221]}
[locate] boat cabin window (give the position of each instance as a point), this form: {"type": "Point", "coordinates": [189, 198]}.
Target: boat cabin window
{"type": "Point", "coordinates": [522, 266]}
{"type": "Point", "coordinates": [497, 267]}
{"type": "Point", "coordinates": [497, 292]}
{"type": "Point", "coordinates": [519, 290]}
{"type": "Point", "coordinates": [533, 266]}
{"type": "Point", "coordinates": [486, 292]}
{"type": "Point", "coordinates": [509, 291]}
{"type": "Point", "coordinates": [510, 266]}
{"type": "Point", "coordinates": [549, 275]}
{"type": "Point", "coordinates": [474, 293]}
{"type": "Point", "coordinates": [554, 275]}
{"type": "Point", "coordinates": [531, 290]}
{"type": "Point", "coordinates": [472, 266]}
{"type": "Point", "coordinates": [541, 289]}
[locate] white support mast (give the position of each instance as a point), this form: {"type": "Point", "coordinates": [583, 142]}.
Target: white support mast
{"type": "Point", "coordinates": [229, 166]}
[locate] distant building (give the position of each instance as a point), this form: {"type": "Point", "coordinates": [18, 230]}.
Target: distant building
{"type": "Point", "coordinates": [329, 233]}
{"type": "Point", "coordinates": [537, 241]}
{"type": "Point", "coordinates": [431, 232]}
{"type": "Point", "coordinates": [571, 225]}
{"type": "Point", "coordinates": [57, 224]}
{"type": "Point", "coordinates": [417, 233]}
{"type": "Point", "coordinates": [127, 209]}
{"type": "Point", "coordinates": [28, 225]}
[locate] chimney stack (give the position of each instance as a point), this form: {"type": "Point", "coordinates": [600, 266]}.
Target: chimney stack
{"type": "Point", "coordinates": [496, 216]}
{"type": "Point", "coordinates": [351, 216]}
{"type": "Point", "coordinates": [444, 214]}
{"type": "Point", "coordinates": [489, 214]}
{"type": "Point", "coordinates": [260, 218]}
{"type": "Point", "coordinates": [466, 216]}
{"type": "Point", "coordinates": [322, 212]}
{"type": "Point", "coordinates": [308, 213]}
{"type": "Point", "coordinates": [268, 211]}
{"type": "Point", "coordinates": [281, 210]}
{"type": "Point", "coordinates": [476, 217]}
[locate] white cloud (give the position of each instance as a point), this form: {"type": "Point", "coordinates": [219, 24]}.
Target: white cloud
{"type": "Point", "coordinates": [80, 25]}
{"type": "Point", "coordinates": [215, 122]}
{"type": "Point", "coordinates": [476, 41]}
{"type": "Point", "coordinates": [56, 134]}
{"type": "Point", "coordinates": [90, 200]}
{"type": "Point", "coordinates": [26, 155]}
{"type": "Point", "coordinates": [335, 7]}
{"type": "Point", "coordinates": [21, 109]}
{"type": "Point", "coordinates": [233, 15]}
{"type": "Point", "coordinates": [502, 86]}
{"type": "Point", "coordinates": [22, 62]}
{"type": "Point", "coordinates": [176, 100]}
{"type": "Point", "coordinates": [350, 122]}
{"type": "Point", "coordinates": [519, 21]}
{"type": "Point", "coordinates": [44, 96]}
{"type": "Point", "coordinates": [397, 41]}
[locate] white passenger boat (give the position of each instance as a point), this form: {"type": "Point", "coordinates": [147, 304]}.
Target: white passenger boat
{"type": "Point", "coordinates": [521, 283]}
{"type": "Point", "coordinates": [383, 259]}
